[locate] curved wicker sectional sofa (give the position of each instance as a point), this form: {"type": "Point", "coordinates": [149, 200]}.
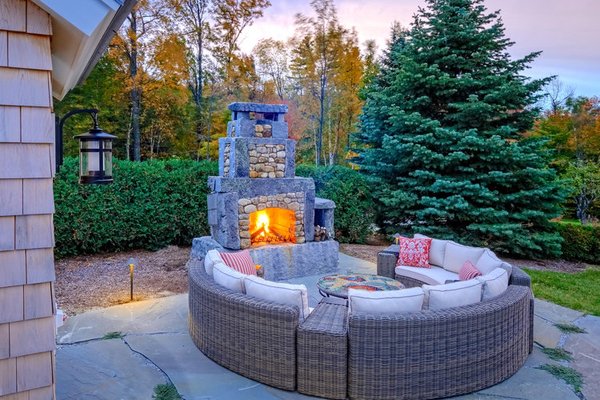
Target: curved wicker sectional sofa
{"type": "Point", "coordinates": [418, 355]}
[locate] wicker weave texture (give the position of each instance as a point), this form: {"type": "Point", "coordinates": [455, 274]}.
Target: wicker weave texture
{"type": "Point", "coordinates": [386, 264]}
{"type": "Point", "coordinates": [323, 351]}
{"type": "Point", "coordinates": [254, 338]}
{"type": "Point", "coordinates": [433, 354]}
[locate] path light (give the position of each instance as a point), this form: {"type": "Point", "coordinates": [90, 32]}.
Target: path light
{"type": "Point", "coordinates": [95, 150]}
{"type": "Point", "coordinates": [131, 268]}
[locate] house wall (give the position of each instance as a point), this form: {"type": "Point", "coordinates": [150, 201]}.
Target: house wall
{"type": "Point", "coordinates": [27, 333]}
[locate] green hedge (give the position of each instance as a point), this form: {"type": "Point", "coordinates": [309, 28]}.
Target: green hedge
{"type": "Point", "coordinates": [581, 242]}
{"type": "Point", "coordinates": [150, 205]}
{"type": "Point", "coordinates": [351, 192]}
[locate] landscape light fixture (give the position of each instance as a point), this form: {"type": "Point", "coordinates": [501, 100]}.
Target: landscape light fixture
{"type": "Point", "coordinates": [131, 268]}
{"type": "Point", "coordinates": [95, 150]}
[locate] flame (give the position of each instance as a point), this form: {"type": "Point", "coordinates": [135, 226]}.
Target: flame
{"type": "Point", "coordinates": [272, 225]}
{"type": "Point", "coordinates": [262, 220]}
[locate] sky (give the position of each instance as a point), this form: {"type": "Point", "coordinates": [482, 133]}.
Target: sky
{"type": "Point", "coordinates": [566, 31]}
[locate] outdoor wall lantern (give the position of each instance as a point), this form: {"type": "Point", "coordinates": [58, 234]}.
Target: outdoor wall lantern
{"type": "Point", "coordinates": [95, 150]}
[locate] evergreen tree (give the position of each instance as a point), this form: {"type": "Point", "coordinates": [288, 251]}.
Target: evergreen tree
{"type": "Point", "coordinates": [442, 128]}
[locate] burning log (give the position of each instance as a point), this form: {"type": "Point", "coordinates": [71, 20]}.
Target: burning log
{"type": "Point", "coordinates": [255, 235]}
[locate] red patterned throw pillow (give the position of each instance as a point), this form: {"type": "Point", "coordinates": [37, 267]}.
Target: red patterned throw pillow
{"type": "Point", "coordinates": [414, 252]}
{"type": "Point", "coordinates": [468, 271]}
{"type": "Point", "coordinates": [240, 261]}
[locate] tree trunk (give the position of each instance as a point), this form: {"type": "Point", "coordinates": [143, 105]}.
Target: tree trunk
{"type": "Point", "coordinates": [582, 204]}
{"type": "Point", "coordinates": [135, 94]}
{"type": "Point", "coordinates": [209, 128]}
{"type": "Point", "coordinates": [321, 121]}
{"type": "Point", "coordinates": [135, 123]}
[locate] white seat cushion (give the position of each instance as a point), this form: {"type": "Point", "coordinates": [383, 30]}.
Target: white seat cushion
{"type": "Point", "coordinates": [431, 276]}
{"type": "Point", "coordinates": [489, 262]}
{"type": "Point", "coordinates": [278, 292]}
{"type": "Point", "coordinates": [211, 258]}
{"type": "Point", "coordinates": [436, 251]}
{"type": "Point", "coordinates": [494, 283]}
{"type": "Point", "coordinates": [452, 294]}
{"type": "Point", "coordinates": [386, 302]}
{"type": "Point", "coordinates": [227, 277]}
{"type": "Point", "coordinates": [456, 255]}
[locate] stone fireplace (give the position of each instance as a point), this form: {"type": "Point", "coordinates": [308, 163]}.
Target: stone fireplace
{"type": "Point", "coordinates": [258, 203]}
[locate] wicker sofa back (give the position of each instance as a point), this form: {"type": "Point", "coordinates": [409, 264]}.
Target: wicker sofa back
{"type": "Point", "coordinates": [431, 354]}
{"type": "Point", "coordinates": [255, 338]}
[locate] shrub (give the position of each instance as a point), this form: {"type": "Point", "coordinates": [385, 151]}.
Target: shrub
{"type": "Point", "coordinates": [580, 242]}
{"type": "Point", "coordinates": [351, 192]}
{"type": "Point", "coordinates": [151, 204]}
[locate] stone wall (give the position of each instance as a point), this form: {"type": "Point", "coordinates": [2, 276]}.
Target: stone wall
{"type": "Point", "coordinates": [226, 159]}
{"type": "Point", "coordinates": [267, 160]}
{"type": "Point", "coordinates": [263, 130]}
{"type": "Point", "coordinates": [290, 201]}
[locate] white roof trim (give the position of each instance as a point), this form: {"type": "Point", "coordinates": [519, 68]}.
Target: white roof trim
{"type": "Point", "coordinates": [80, 32]}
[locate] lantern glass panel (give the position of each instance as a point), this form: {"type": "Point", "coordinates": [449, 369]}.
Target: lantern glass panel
{"type": "Point", "coordinates": [90, 160]}
{"type": "Point", "coordinates": [107, 158]}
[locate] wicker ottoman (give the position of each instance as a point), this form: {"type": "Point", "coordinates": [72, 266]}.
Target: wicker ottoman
{"type": "Point", "coordinates": [323, 350]}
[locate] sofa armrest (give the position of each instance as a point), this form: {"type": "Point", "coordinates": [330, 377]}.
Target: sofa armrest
{"type": "Point", "coordinates": [518, 277]}
{"type": "Point", "coordinates": [386, 263]}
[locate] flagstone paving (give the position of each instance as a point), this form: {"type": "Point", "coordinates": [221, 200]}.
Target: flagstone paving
{"type": "Point", "coordinates": [155, 348]}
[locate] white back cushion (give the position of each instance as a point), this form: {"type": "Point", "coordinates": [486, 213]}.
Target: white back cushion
{"type": "Point", "coordinates": [228, 277]}
{"type": "Point", "coordinates": [494, 283]}
{"type": "Point", "coordinates": [278, 292]}
{"type": "Point", "coordinates": [436, 251]}
{"type": "Point", "coordinates": [452, 294]}
{"type": "Point", "coordinates": [211, 258]}
{"type": "Point", "coordinates": [456, 255]}
{"type": "Point", "coordinates": [386, 302]}
{"type": "Point", "coordinates": [489, 262]}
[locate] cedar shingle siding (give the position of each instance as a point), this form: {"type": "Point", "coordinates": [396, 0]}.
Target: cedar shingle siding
{"type": "Point", "coordinates": [27, 340]}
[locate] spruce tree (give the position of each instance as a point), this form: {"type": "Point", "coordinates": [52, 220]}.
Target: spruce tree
{"type": "Point", "coordinates": [442, 129]}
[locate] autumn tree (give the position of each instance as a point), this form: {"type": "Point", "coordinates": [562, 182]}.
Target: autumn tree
{"type": "Point", "coordinates": [344, 102]}
{"type": "Point", "coordinates": [316, 50]}
{"type": "Point", "coordinates": [584, 178]}
{"type": "Point", "coordinates": [105, 89]}
{"type": "Point", "coordinates": [370, 65]}
{"type": "Point", "coordinates": [325, 54]}
{"type": "Point", "coordinates": [130, 46]}
{"type": "Point", "coordinates": [232, 17]}
{"type": "Point", "coordinates": [166, 98]}
{"type": "Point", "coordinates": [572, 130]}
{"type": "Point", "coordinates": [272, 61]}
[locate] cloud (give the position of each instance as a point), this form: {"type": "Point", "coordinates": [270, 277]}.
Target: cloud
{"type": "Point", "coordinates": [566, 31]}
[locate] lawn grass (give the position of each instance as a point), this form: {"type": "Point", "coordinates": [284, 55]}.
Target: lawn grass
{"type": "Point", "coordinates": [557, 354]}
{"type": "Point", "coordinates": [578, 291]}
{"type": "Point", "coordinates": [569, 328]}
{"type": "Point", "coordinates": [570, 221]}
{"type": "Point", "coordinates": [571, 376]}
{"type": "Point", "coordinates": [113, 335]}
{"type": "Point", "coordinates": [166, 391]}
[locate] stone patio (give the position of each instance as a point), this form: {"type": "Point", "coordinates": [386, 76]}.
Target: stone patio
{"type": "Point", "coordinates": [156, 348]}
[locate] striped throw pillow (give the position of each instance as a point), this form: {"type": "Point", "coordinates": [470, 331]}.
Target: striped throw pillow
{"type": "Point", "coordinates": [468, 271]}
{"type": "Point", "coordinates": [240, 261]}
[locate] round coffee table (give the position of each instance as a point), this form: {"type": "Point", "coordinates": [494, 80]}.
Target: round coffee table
{"type": "Point", "coordinates": [338, 284]}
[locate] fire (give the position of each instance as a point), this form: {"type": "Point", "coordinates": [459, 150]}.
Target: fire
{"type": "Point", "coordinates": [262, 221]}
{"type": "Point", "coordinates": [272, 225]}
